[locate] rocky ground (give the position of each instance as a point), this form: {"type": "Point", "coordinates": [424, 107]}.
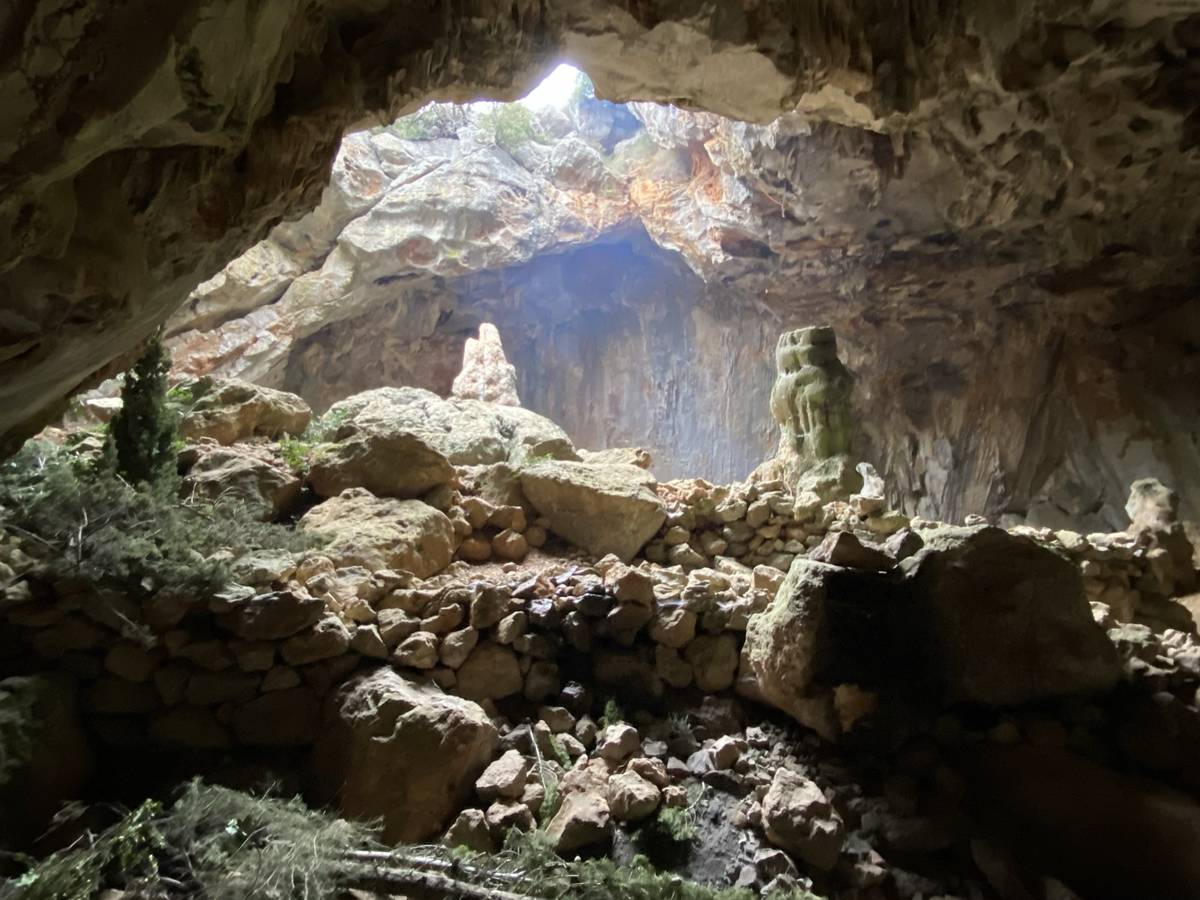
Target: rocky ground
{"type": "Point", "coordinates": [753, 687]}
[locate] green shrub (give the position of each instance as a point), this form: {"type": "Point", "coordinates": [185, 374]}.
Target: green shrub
{"type": "Point", "coordinates": [560, 754]}
{"type": "Point", "coordinates": [324, 427]}
{"type": "Point", "coordinates": [510, 126]}
{"type": "Point", "coordinates": [613, 714]}
{"type": "Point", "coordinates": [676, 823]}
{"type": "Point", "coordinates": [221, 844]}
{"type": "Point", "coordinates": [141, 538]}
{"type": "Point", "coordinates": [296, 453]}
{"type": "Point", "coordinates": [142, 435]}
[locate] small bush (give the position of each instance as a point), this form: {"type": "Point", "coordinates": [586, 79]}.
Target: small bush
{"type": "Point", "coordinates": [142, 435]}
{"type": "Point", "coordinates": [218, 843]}
{"type": "Point", "coordinates": [89, 522]}
{"type": "Point", "coordinates": [613, 714]}
{"type": "Point", "coordinates": [510, 126]}
{"type": "Point", "coordinates": [325, 427]}
{"type": "Point", "coordinates": [560, 754]}
{"type": "Point", "coordinates": [675, 823]}
{"type": "Point", "coordinates": [296, 453]}
{"type": "Point", "coordinates": [668, 838]}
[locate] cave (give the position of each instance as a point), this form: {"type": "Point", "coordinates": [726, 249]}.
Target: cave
{"type": "Point", "coordinates": [599, 449]}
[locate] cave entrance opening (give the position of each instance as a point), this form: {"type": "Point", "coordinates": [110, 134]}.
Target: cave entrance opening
{"type": "Point", "coordinates": [589, 235]}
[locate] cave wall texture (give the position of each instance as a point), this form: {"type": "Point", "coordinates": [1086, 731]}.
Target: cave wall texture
{"type": "Point", "coordinates": [994, 202]}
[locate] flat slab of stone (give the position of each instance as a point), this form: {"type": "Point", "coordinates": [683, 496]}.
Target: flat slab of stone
{"type": "Point", "coordinates": [601, 508]}
{"type": "Point", "coordinates": [383, 533]}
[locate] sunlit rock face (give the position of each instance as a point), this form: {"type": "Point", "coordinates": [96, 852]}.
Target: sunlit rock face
{"type": "Point", "coordinates": [640, 264]}
{"type": "Point", "coordinates": [1004, 199]}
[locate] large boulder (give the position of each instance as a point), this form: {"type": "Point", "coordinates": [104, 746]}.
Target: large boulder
{"type": "Point", "coordinates": [401, 752]}
{"type": "Point", "coordinates": [798, 817]}
{"type": "Point", "coordinates": [601, 508]}
{"type": "Point", "coordinates": [383, 533]}
{"type": "Point", "coordinates": [44, 755]}
{"type": "Point", "coordinates": [272, 615]}
{"type": "Point", "coordinates": [222, 472]}
{"type": "Point", "coordinates": [977, 615]}
{"type": "Point", "coordinates": [792, 646]}
{"type": "Point", "coordinates": [402, 442]}
{"type": "Point", "coordinates": [1007, 620]}
{"type": "Point", "coordinates": [583, 818]}
{"type": "Point", "coordinates": [233, 410]}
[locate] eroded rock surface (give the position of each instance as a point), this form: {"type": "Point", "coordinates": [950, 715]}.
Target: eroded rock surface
{"type": "Point", "coordinates": [382, 533]}
{"type": "Point", "coordinates": [602, 508]}
{"type": "Point", "coordinates": [1020, 187]}
{"type": "Point", "coordinates": [403, 752]}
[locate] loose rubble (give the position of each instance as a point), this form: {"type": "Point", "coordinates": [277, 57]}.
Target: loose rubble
{"type": "Point", "coordinates": [457, 662]}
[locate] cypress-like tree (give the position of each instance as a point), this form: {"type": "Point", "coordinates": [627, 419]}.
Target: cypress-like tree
{"type": "Point", "coordinates": [141, 436]}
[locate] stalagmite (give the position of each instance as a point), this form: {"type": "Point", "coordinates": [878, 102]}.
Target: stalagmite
{"type": "Point", "coordinates": [486, 372]}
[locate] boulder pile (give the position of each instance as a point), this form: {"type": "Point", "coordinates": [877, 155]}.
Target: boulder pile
{"type": "Point", "coordinates": [452, 658]}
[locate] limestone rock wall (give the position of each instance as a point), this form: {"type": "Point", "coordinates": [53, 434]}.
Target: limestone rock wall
{"type": "Point", "coordinates": [951, 174]}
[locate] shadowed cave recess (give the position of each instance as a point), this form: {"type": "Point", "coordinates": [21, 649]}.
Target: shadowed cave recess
{"type": "Point", "coordinates": [599, 450]}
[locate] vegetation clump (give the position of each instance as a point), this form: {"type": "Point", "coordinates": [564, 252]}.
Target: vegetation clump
{"type": "Point", "coordinates": [510, 126]}
{"type": "Point", "coordinates": [300, 452]}
{"type": "Point", "coordinates": [432, 121]}
{"type": "Point", "coordinates": [120, 521]}
{"type": "Point", "coordinates": [213, 842]}
{"type": "Point", "coordinates": [612, 714]}
{"type": "Point", "coordinates": [86, 521]}
{"type": "Point", "coordinates": [141, 437]}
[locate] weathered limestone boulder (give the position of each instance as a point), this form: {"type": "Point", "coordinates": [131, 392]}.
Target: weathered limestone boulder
{"type": "Point", "coordinates": [1006, 620]}
{"type": "Point", "coordinates": [44, 755]}
{"type": "Point", "coordinates": [1152, 506]}
{"type": "Point", "coordinates": [631, 797]}
{"type": "Point", "coordinates": [470, 830]}
{"type": "Point", "coordinates": [402, 442]}
{"type": "Point", "coordinates": [486, 372]}
{"type": "Point", "coordinates": [503, 778]}
{"type": "Point", "coordinates": [491, 672]}
{"type": "Point", "coordinates": [388, 462]}
{"type": "Point", "coordinates": [798, 817]}
{"type": "Point", "coordinates": [234, 410]}
{"type": "Point", "coordinates": [405, 753]}
{"type": "Point", "coordinates": [235, 472]}
{"type": "Point", "coordinates": [383, 533]}
{"type": "Point", "coordinates": [602, 508]}
{"type": "Point", "coordinates": [841, 548]}
{"type": "Point", "coordinates": [977, 615]}
{"type": "Point", "coordinates": [787, 646]}
{"type": "Point", "coordinates": [624, 456]}
{"type": "Point", "coordinates": [271, 616]}
{"type": "Point", "coordinates": [583, 818]}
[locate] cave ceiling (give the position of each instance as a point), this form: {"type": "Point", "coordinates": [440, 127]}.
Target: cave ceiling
{"type": "Point", "coordinates": [1002, 195]}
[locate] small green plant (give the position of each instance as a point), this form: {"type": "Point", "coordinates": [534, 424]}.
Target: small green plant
{"type": "Point", "coordinates": [560, 754]}
{"type": "Point", "coordinates": [612, 714]}
{"type": "Point", "coordinates": [510, 126]}
{"type": "Point", "coordinates": [551, 800]}
{"type": "Point", "coordinates": [89, 522]}
{"type": "Point", "coordinates": [325, 427]}
{"type": "Point", "coordinates": [676, 823]}
{"type": "Point", "coordinates": [678, 724]}
{"type": "Point", "coordinates": [430, 122]}
{"type": "Point", "coordinates": [296, 453]}
{"type": "Point", "coordinates": [222, 844]}
{"type": "Point", "coordinates": [142, 435]}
